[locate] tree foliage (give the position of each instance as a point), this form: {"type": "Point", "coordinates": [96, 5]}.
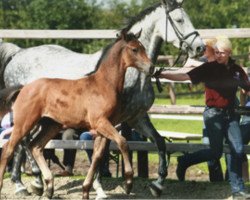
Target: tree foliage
{"type": "Point", "coordinates": [113, 14]}
{"type": "Point", "coordinates": [221, 14]}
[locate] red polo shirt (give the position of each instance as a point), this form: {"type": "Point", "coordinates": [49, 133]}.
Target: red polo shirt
{"type": "Point", "coordinates": [221, 82]}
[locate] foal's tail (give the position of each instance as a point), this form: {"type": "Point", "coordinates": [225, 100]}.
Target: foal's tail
{"type": "Point", "coordinates": [7, 97]}
{"type": "Point", "coordinates": [7, 51]}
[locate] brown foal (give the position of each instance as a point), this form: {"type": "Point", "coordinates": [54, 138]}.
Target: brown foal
{"type": "Point", "coordinates": [92, 102]}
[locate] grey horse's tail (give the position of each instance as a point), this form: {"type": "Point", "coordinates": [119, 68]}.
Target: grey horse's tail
{"type": "Point", "coordinates": [7, 51]}
{"type": "Point", "coordinates": [7, 97]}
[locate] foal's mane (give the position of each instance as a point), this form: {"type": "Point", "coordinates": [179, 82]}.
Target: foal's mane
{"type": "Point", "coordinates": [105, 52]}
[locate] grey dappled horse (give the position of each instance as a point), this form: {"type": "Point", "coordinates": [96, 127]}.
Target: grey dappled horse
{"type": "Point", "coordinates": [166, 21]}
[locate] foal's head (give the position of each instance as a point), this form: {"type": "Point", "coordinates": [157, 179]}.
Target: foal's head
{"type": "Point", "coordinates": [133, 53]}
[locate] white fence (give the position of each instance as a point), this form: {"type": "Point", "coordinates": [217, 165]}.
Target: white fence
{"type": "Point", "coordinates": [107, 34]}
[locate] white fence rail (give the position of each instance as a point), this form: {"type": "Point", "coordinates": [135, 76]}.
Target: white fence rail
{"type": "Point", "coordinates": [106, 34]}
{"type": "Point", "coordinates": [133, 146]}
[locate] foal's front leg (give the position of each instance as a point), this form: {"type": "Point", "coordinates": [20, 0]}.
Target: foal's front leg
{"type": "Point", "coordinates": [109, 131]}
{"type": "Point", "coordinates": [99, 147]}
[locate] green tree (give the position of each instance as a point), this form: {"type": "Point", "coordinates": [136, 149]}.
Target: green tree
{"type": "Point", "coordinates": [222, 14]}
{"type": "Point", "coordinates": [53, 14]}
{"type": "Point", "coordinates": [87, 14]}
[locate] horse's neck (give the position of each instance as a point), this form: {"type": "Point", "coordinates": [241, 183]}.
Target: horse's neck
{"type": "Point", "coordinates": [152, 43]}
{"type": "Point", "coordinates": [150, 33]}
{"type": "Point", "coordinates": [111, 73]}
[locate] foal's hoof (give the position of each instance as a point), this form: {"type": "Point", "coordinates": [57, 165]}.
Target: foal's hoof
{"type": "Point", "coordinates": [22, 193]}
{"type": "Point", "coordinates": [155, 189]}
{"type": "Point", "coordinates": [37, 190]}
{"type": "Point", "coordinates": [49, 193]}
{"type": "Point", "coordinates": [85, 195]}
{"type": "Point", "coordinates": [127, 187]}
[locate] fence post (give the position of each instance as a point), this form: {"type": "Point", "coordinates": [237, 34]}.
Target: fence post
{"type": "Point", "coordinates": [171, 90]}
{"type": "Point", "coordinates": [142, 162]}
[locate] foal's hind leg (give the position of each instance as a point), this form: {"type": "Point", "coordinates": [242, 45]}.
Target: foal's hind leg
{"type": "Point", "coordinates": [146, 128]}
{"type": "Point", "coordinates": [99, 147]}
{"type": "Point", "coordinates": [49, 130]}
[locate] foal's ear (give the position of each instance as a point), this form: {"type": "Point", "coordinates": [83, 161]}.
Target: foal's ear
{"type": "Point", "coordinates": [137, 35]}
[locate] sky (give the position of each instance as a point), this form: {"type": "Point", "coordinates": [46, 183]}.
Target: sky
{"type": "Point", "coordinates": [103, 1]}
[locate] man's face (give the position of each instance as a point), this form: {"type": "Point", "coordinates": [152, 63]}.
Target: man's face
{"type": "Point", "coordinates": [222, 55]}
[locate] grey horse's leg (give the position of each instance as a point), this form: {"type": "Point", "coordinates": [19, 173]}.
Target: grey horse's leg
{"type": "Point", "coordinates": [146, 128]}
{"type": "Point", "coordinates": [37, 184]}
{"type": "Point", "coordinates": [16, 172]}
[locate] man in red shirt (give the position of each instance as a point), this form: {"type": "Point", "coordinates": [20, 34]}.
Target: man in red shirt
{"type": "Point", "coordinates": [222, 79]}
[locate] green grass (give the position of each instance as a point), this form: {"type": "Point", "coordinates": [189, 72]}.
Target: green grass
{"type": "Point", "coordinates": [187, 126]}
{"type": "Point", "coordinates": [180, 101]}
{"type": "Point", "coordinates": [188, 99]}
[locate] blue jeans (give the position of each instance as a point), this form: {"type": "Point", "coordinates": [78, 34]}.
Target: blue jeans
{"type": "Point", "coordinates": [220, 124]}
{"type": "Point", "coordinates": [245, 131]}
{"type": "Point", "coordinates": [104, 165]}
{"type": "Point", "coordinates": [87, 136]}
{"type": "Point", "coordinates": [214, 166]}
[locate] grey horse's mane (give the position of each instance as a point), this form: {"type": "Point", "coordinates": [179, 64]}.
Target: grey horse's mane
{"type": "Point", "coordinates": [7, 51]}
{"type": "Point", "coordinates": [132, 21]}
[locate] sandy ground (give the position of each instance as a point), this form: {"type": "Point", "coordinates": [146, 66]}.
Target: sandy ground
{"type": "Point", "coordinates": [196, 186]}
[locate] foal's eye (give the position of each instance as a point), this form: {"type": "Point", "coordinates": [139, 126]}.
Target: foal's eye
{"type": "Point", "coordinates": [135, 50]}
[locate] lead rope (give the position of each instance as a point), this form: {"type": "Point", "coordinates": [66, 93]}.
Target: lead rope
{"type": "Point", "coordinates": [158, 72]}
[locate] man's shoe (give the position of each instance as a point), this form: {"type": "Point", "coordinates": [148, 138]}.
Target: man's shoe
{"type": "Point", "coordinates": [181, 170]}
{"type": "Point", "coordinates": [241, 195]}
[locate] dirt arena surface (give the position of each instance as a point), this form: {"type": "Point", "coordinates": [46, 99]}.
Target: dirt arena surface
{"type": "Point", "coordinates": [196, 186]}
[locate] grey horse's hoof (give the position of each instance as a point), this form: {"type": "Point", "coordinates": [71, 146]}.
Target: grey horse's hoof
{"type": "Point", "coordinates": [99, 190]}
{"type": "Point", "coordinates": [155, 189]}
{"type": "Point", "coordinates": [22, 192]}
{"type": "Point", "coordinates": [127, 187]}
{"type": "Point", "coordinates": [49, 193]}
{"type": "Point", "coordinates": [36, 190]}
